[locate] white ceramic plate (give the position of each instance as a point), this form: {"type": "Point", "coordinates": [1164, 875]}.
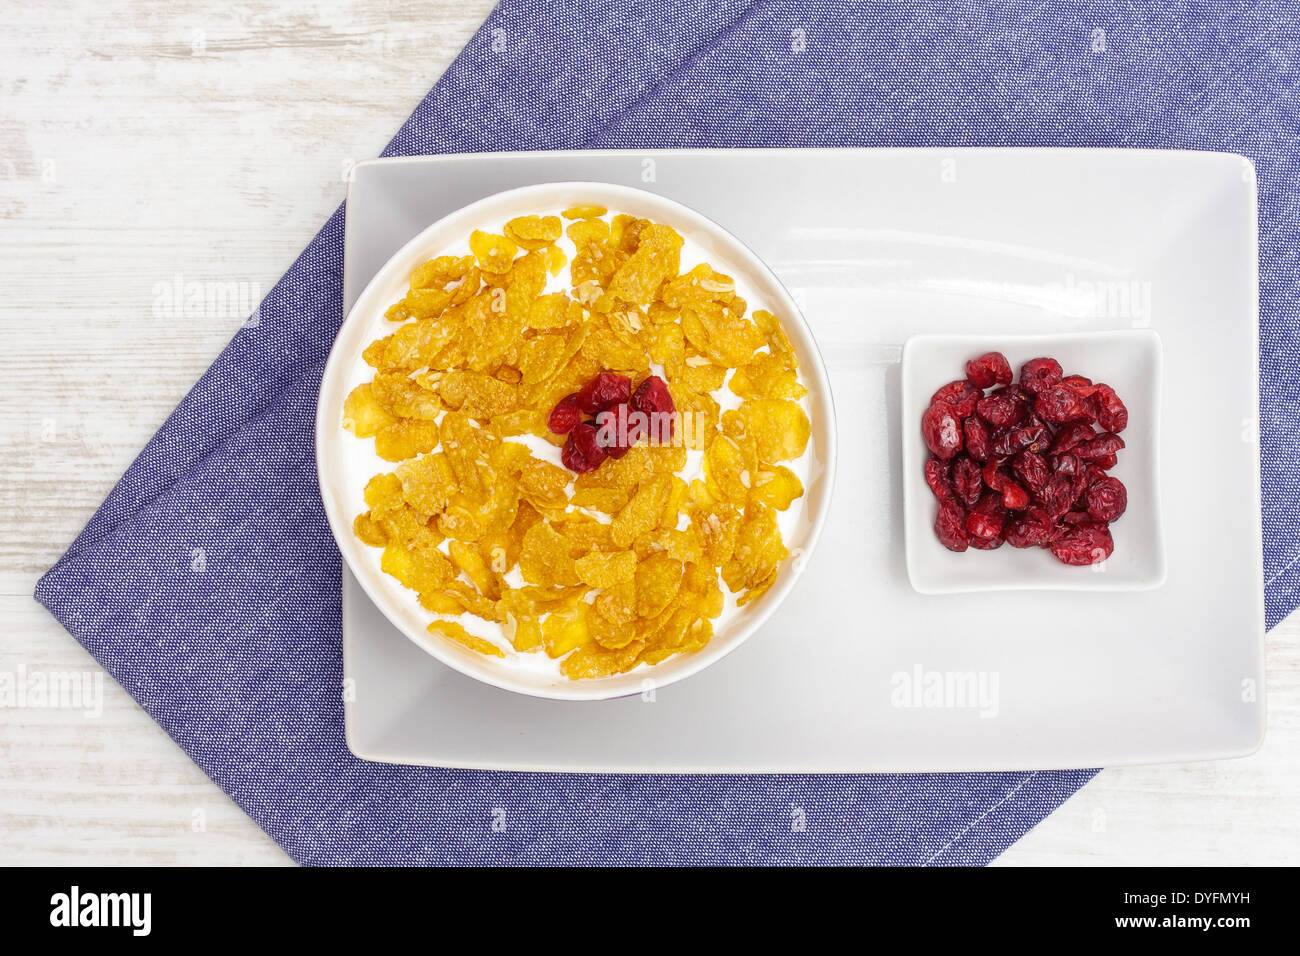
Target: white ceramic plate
{"type": "Point", "coordinates": [877, 246]}
{"type": "Point", "coordinates": [1129, 360]}
{"type": "Point", "coordinates": [346, 463]}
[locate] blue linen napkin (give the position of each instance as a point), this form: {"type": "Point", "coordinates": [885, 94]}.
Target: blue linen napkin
{"type": "Point", "coordinates": [240, 661]}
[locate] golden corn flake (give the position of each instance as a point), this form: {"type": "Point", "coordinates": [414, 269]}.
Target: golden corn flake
{"type": "Point", "coordinates": [618, 567]}
{"type": "Point", "coordinates": [457, 633]}
{"type": "Point", "coordinates": [494, 253]}
{"type": "Point", "coordinates": [533, 232]}
{"type": "Point", "coordinates": [584, 212]}
{"type": "Point", "coordinates": [600, 569]}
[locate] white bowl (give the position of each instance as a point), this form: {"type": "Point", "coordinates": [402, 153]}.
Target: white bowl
{"type": "Point", "coordinates": [337, 459]}
{"type": "Point", "coordinates": [1130, 362]}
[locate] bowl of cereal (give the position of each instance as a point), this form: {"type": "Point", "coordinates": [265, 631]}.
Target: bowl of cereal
{"type": "Point", "coordinates": [575, 440]}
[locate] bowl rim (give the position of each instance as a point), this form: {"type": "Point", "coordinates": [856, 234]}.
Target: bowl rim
{"type": "Point", "coordinates": [911, 492]}
{"type": "Point", "coordinates": [812, 364]}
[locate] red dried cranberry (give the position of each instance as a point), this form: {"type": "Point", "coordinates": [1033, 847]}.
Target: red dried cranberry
{"type": "Point", "coordinates": [1057, 495]}
{"type": "Point", "coordinates": [986, 518]}
{"type": "Point", "coordinates": [950, 525]}
{"type": "Point", "coordinates": [1061, 404]}
{"type": "Point", "coordinates": [1110, 411]}
{"type": "Point", "coordinates": [653, 400]}
{"type": "Point", "coordinates": [1080, 384]}
{"type": "Point", "coordinates": [1079, 487]}
{"type": "Point", "coordinates": [938, 475]}
{"type": "Point", "coordinates": [1099, 447]}
{"type": "Point", "coordinates": [941, 430]}
{"type": "Point", "coordinates": [581, 451]}
{"type": "Point", "coordinates": [961, 395]}
{"type": "Point", "coordinates": [1014, 497]}
{"type": "Point", "coordinates": [1040, 374]}
{"type": "Point", "coordinates": [604, 391]}
{"type": "Point", "coordinates": [652, 396]}
{"type": "Point", "coordinates": [1032, 437]}
{"type": "Point", "coordinates": [1031, 468]}
{"type": "Point", "coordinates": [967, 482]}
{"type": "Point", "coordinates": [993, 478]}
{"type": "Point", "coordinates": [986, 544]}
{"type": "Point", "coordinates": [1107, 498]}
{"type": "Point", "coordinates": [1030, 529]}
{"type": "Point", "coordinates": [564, 415]}
{"type": "Point", "coordinates": [978, 437]}
{"type": "Point", "coordinates": [1066, 464]}
{"type": "Point", "coordinates": [1072, 434]}
{"type": "Point", "coordinates": [991, 368]}
{"type": "Point", "coordinates": [1002, 408]}
{"type": "Point", "coordinates": [1088, 542]}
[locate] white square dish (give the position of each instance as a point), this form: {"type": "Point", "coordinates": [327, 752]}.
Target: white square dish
{"type": "Point", "coordinates": [1128, 360]}
{"type": "Point", "coordinates": [877, 246]}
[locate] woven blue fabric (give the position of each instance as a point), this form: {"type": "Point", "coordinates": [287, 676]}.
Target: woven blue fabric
{"type": "Point", "coordinates": [241, 663]}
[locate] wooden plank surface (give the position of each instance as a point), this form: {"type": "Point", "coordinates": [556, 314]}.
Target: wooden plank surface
{"type": "Point", "coordinates": [140, 142]}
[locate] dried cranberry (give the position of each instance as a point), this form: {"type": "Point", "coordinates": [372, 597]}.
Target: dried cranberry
{"type": "Point", "coordinates": [1066, 464]}
{"type": "Point", "coordinates": [1099, 447]}
{"type": "Point", "coordinates": [1107, 498]}
{"type": "Point", "coordinates": [993, 478]}
{"type": "Point", "coordinates": [986, 518]}
{"type": "Point", "coordinates": [1030, 529]}
{"type": "Point", "coordinates": [1080, 384]}
{"type": "Point", "coordinates": [1032, 437]}
{"type": "Point", "coordinates": [986, 544]}
{"type": "Point", "coordinates": [564, 415]}
{"type": "Point", "coordinates": [653, 400]}
{"type": "Point", "coordinates": [1109, 409]}
{"type": "Point", "coordinates": [604, 391]}
{"type": "Point", "coordinates": [941, 430]}
{"type": "Point", "coordinates": [618, 429]}
{"type": "Point", "coordinates": [1088, 542]}
{"type": "Point", "coordinates": [1061, 404]}
{"type": "Point", "coordinates": [1002, 408]}
{"type": "Point", "coordinates": [961, 395]}
{"type": "Point", "coordinates": [938, 475]}
{"type": "Point", "coordinates": [1057, 495]}
{"type": "Point", "coordinates": [1079, 487]}
{"type": "Point", "coordinates": [581, 451]}
{"type": "Point", "coordinates": [1031, 468]}
{"type": "Point", "coordinates": [652, 396]}
{"type": "Point", "coordinates": [950, 525]}
{"type": "Point", "coordinates": [1072, 434]}
{"type": "Point", "coordinates": [1014, 497]}
{"type": "Point", "coordinates": [1040, 374]}
{"type": "Point", "coordinates": [978, 437]}
{"type": "Point", "coordinates": [991, 368]}
{"type": "Point", "coordinates": [967, 482]}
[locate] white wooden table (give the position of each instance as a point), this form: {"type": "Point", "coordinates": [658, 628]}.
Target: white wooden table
{"type": "Point", "coordinates": [143, 141]}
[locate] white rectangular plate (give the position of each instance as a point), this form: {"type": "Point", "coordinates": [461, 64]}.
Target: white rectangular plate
{"type": "Point", "coordinates": [857, 671]}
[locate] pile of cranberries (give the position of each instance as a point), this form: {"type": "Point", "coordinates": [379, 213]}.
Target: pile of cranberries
{"type": "Point", "coordinates": [1025, 464]}
{"type": "Point", "coordinates": [611, 425]}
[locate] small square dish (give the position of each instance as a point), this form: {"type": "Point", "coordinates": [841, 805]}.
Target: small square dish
{"type": "Point", "coordinates": [1129, 360]}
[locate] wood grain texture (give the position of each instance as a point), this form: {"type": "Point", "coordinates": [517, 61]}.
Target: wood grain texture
{"type": "Point", "coordinates": [143, 141]}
